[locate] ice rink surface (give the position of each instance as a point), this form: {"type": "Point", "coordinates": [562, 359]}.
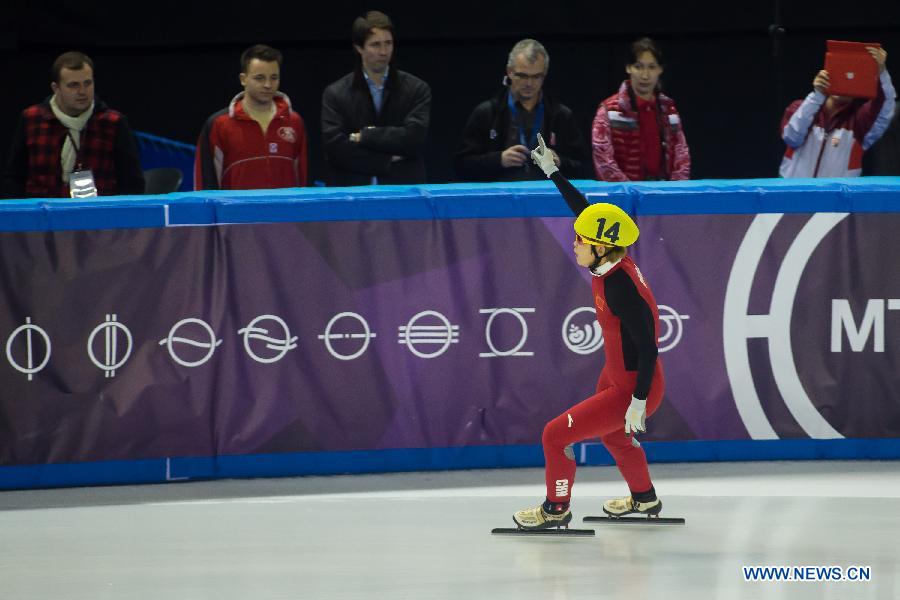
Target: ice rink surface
{"type": "Point", "coordinates": [427, 536]}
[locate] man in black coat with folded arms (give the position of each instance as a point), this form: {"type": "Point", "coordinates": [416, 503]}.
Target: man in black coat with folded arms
{"type": "Point", "coordinates": [375, 119]}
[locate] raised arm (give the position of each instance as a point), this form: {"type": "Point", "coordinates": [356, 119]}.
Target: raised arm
{"type": "Point", "coordinates": [575, 199]}
{"type": "Point", "coordinates": [875, 116]}
{"type": "Point", "coordinates": [798, 117]}
{"type": "Point", "coordinates": [543, 158]}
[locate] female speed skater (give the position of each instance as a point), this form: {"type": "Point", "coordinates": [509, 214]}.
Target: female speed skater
{"type": "Point", "coordinates": [631, 383]}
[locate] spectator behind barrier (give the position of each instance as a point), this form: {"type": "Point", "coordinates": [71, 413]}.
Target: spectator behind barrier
{"type": "Point", "coordinates": [637, 133]}
{"type": "Point", "coordinates": [258, 141]}
{"type": "Point", "coordinates": [72, 131]}
{"type": "Point", "coordinates": [826, 136]}
{"type": "Point", "coordinates": [501, 132]}
{"type": "Point", "coordinates": [375, 118]}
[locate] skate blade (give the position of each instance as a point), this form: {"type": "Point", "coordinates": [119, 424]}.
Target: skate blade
{"type": "Point", "coordinates": [637, 520]}
{"type": "Point", "coordinates": [554, 531]}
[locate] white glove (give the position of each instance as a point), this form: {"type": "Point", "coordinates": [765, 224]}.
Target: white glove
{"type": "Point", "coordinates": [543, 157]}
{"type": "Point", "coordinates": [636, 416]}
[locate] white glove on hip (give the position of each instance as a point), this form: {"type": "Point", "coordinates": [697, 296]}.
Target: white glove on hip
{"type": "Point", "coordinates": [636, 416]}
{"type": "Point", "coordinates": [543, 157]}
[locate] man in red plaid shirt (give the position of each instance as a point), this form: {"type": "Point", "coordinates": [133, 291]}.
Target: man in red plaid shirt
{"type": "Point", "coordinates": [72, 132]}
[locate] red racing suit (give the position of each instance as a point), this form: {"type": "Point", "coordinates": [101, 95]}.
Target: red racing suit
{"type": "Point", "coordinates": [628, 314]}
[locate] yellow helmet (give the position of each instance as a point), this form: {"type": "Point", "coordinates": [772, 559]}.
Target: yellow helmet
{"type": "Point", "coordinates": [605, 224]}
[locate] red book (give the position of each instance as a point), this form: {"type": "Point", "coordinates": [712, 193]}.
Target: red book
{"type": "Point", "coordinates": [851, 69]}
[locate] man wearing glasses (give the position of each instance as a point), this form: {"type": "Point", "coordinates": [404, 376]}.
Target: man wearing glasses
{"type": "Point", "coordinates": [500, 132]}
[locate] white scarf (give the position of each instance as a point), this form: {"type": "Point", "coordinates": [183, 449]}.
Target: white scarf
{"type": "Point", "coordinates": [74, 125]}
{"type": "Point", "coordinates": [604, 268]}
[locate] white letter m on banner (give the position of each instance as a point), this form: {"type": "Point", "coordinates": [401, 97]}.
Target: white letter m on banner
{"type": "Point", "coordinates": [842, 320]}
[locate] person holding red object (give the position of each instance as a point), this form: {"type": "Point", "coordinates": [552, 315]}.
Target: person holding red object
{"type": "Point", "coordinates": [826, 135]}
{"type": "Point", "coordinates": [631, 383]}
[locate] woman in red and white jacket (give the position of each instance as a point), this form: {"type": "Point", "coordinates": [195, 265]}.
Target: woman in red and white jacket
{"type": "Point", "coordinates": [637, 133]}
{"type": "Point", "coordinates": [827, 135]}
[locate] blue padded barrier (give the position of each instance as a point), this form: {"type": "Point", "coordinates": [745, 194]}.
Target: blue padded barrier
{"type": "Point", "coordinates": [425, 459]}
{"type": "Point", "coordinates": [427, 202]}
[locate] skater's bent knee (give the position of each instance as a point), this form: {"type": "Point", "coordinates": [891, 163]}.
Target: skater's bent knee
{"type": "Point", "coordinates": [555, 434]}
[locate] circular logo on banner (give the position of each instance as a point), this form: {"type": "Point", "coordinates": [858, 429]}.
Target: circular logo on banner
{"type": "Point", "coordinates": [431, 337]}
{"type": "Point", "coordinates": [343, 342]}
{"type": "Point", "coordinates": [204, 339]}
{"type": "Point", "coordinates": [261, 337]}
{"type": "Point", "coordinates": [116, 343]}
{"type": "Point", "coordinates": [34, 353]}
{"type": "Point", "coordinates": [506, 337]}
{"type": "Point", "coordinates": [581, 332]}
{"type": "Point", "coordinates": [671, 327]}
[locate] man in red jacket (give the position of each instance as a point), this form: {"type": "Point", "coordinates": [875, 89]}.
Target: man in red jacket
{"type": "Point", "coordinates": [258, 141]}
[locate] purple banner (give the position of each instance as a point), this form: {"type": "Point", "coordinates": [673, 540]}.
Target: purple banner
{"type": "Point", "coordinates": [322, 336]}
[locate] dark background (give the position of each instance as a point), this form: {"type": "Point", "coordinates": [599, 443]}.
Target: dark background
{"type": "Point", "coordinates": [168, 65]}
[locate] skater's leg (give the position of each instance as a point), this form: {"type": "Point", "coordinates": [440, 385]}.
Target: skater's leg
{"type": "Point", "coordinates": [584, 420]}
{"type": "Point", "coordinates": [630, 459]}
{"type": "Point", "coordinates": [597, 416]}
{"type": "Point", "coordinates": [632, 463]}
{"type": "Point", "coordinates": [589, 418]}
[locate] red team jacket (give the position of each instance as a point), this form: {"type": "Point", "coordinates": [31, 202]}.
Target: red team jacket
{"type": "Point", "coordinates": [823, 145]}
{"type": "Point", "coordinates": [616, 139]}
{"type": "Point", "coordinates": [234, 154]}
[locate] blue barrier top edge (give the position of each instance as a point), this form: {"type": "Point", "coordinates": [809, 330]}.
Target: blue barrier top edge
{"type": "Point", "coordinates": [451, 201]}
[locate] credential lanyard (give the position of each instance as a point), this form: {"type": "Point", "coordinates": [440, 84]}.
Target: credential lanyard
{"type": "Point", "coordinates": [77, 147]}
{"type": "Point", "coordinates": [538, 122]}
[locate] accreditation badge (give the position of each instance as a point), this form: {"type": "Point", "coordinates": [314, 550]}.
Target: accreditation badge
{"type": "Point", "coordinates": [81, 184]}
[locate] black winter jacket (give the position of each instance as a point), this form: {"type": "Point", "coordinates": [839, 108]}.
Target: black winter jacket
{"type": "Point", "coordinates": [399, 131]}
{"type": "Point", "coordinates": [486, 132]}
